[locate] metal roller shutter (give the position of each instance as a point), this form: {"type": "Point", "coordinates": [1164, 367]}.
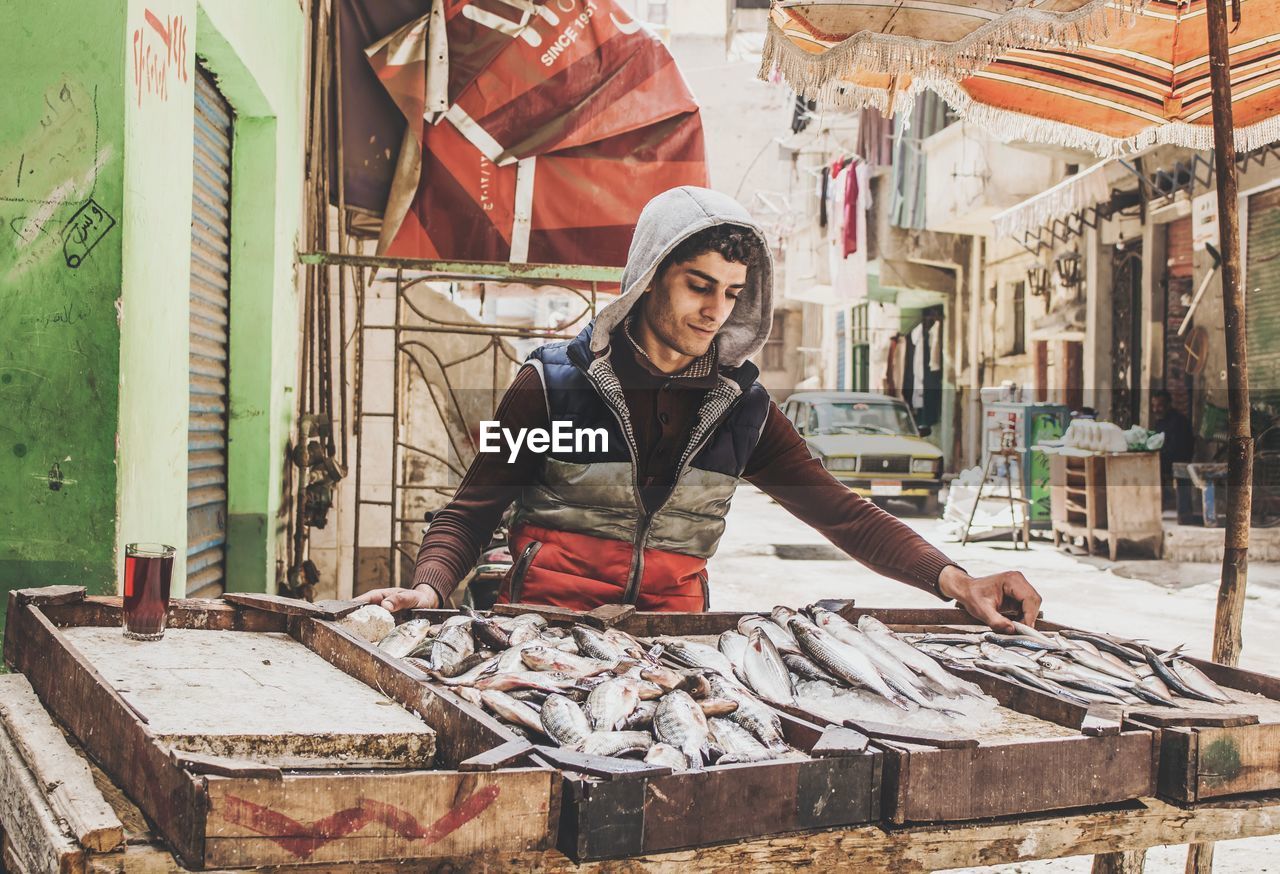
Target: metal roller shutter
{"type": "Point", "coordinates": [1262, 295]}
{"type": "Point", "coordinates": [210, 306]}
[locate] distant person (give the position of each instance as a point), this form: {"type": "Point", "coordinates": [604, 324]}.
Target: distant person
{"type": "Point", "coordinates": [1179, 440]}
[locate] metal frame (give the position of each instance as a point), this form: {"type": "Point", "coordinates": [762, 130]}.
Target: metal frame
{"type": "Point", "coordinates": [411, 347]}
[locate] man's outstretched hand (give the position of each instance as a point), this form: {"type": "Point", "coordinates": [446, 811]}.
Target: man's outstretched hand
{"type": "Point", "coordinates": [984, 598]}
{"type": "Point", "coordinates": [420, 598]}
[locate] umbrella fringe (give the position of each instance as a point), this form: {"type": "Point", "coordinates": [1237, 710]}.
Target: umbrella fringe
{"type": "Point", "coordinates": [811, 74]}
{"type": "Point", "coordinates": [1007, 125]}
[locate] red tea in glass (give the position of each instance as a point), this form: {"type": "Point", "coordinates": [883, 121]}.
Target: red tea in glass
{"type": "Point", "coordinates": [147, 570]}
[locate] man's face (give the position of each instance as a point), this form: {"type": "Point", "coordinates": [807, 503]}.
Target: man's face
{"type": "Point", "coordinates": [1159, 406]}
{"type": "Point", "coordinates": [688, 303]}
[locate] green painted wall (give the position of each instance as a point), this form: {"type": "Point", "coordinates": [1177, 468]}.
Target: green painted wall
{"type": "Point", "coordinates": [61, 146]}
{"type": "Point", "coordinates": [100, 108]}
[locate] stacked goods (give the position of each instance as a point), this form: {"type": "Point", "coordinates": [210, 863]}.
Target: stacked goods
{"type": "Point", "coordinates": [1079, 666]}
{"type": "Point", "coordinates": [674, 703]}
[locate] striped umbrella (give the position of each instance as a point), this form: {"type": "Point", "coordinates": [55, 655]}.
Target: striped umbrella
{"type": "Point", "coordinates": [1139, 86]}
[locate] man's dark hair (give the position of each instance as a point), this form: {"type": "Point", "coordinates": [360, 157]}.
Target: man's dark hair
{"type": "Point", "coordinates": [1163, 394]}
{"type": "Point", "coordinates": [733, 243]}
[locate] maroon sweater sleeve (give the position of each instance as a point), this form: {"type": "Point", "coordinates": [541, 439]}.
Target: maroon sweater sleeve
{"type": "Point", "coordinates": [462, 529]}
{"type": "Point", "coordinates": [783, 468]}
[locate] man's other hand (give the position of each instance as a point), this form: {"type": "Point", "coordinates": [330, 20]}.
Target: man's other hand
{"type": "Point", "coordinates": [420, 598]}
{"type": "Point", "coordinates": [984, 598]}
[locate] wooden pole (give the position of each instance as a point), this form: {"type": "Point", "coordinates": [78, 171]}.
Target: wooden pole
{"type": "Point", "coordinates": [1235, 557]}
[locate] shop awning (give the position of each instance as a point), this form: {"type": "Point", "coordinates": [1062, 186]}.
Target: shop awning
{"type": "Point", "coordinates": [1086, 189]}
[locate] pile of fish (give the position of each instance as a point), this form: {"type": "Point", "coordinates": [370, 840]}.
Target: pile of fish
{"type": "Point", "coordinates": [1080, 666]}
{"type": "Point", "coordinates": [817, 660]}
{"type": "Point", "coordinates": [672, 702]}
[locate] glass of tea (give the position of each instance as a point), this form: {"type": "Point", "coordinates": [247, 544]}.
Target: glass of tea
{"type": "Point", "coordinates": [147, 570]}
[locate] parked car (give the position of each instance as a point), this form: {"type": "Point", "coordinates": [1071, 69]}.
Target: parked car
{"type": "Point", "coordinates": [870, 443]}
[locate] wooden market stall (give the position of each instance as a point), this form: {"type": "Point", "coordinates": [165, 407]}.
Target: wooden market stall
{"type": "Point", "coordinates": [99, 772]}
{"type": "Point", "coordinates": [1106, 499]}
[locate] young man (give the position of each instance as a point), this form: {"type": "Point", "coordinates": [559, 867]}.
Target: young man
{"type": "Point", "coordinates": [663, 373]}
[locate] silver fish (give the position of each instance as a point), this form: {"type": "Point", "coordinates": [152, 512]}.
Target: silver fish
{"type": "Point", "coordinates": [1028, 631]}
{"type": "Point", "coordinates": [468, 677]}
{"type": "Point", "coordinates": [667, 755]}
{"type": "Point", "coordinates": [1117, 669]}
{"type": "Point", "coordinates": [547, 681]}
{"type": "Point", "coordinates": [1029, 679]}
{"type": "Point", "coordinates": [405, 638]}
{"type": "Point", "coordinates": [1195, 679]}
{"type": "Point", "coordinates": [739, 745]}
{"type": "Point", "coordinates": [593, 644]}
{"type": "Point", "coordinates": [470, 695]}
{"type": "Point", "coordinates": [752, 714]}
{"type": "Point", "coordinates": [610, 703]}
{"type": "Point", "coordinates": [680, 723]}
{"type": "Point", "coordinates": [781, 637]}
{"type": "Point", "coordinates": [843, 661]}
{"type": "Point", "coordinates": [782, 615]}
{"type": "Point", "coordinates": [511, 710]}
{"type": "Point", "coordinates": [487, 631]}
{"type": "Point", "coordinates": [803, 667]}
{"type": "Point", "coordinates": [764, 670]}
{"type": "Point", "coordinates": [663, 677]}
{"type": "Point", "coordinates": [696, 655]}
{"type": "Point", "coordinates": [896, 675]}
{"type": "Point", "coordinates": [1037, 644]}
{"type": "Point", "coordinates": [1010, 656]}
{"type": "Point", "coordinates": [625, 642]}
{"type": "Point", "coordinates": [563, 721]}
{"type": "Point", "coordinates": [641, 716]}
{"type": "Point", "coordinates": [733, 646]}
{"type": "Point", "coordinates": [914, 659]}
{"type": "Point", "coordinates": [615, 743]}
{"type": "Point", "coordinates": [1105, 643]}
{"type": "Point", "coordinates": [546, 658]}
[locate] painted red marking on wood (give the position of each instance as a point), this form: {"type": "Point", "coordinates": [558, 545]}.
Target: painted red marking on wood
{"type": "Point", "coordinates": [303, 839]}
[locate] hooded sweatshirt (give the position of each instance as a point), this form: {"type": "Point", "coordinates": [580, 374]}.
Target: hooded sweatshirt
{"type": "Point", "coordinates": [660, 412]}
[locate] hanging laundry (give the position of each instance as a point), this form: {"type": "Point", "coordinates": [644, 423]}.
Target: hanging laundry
{"type": "Point", "coordinates": [890, 377]}
{"type": "Point", "coordinates": [875, 138]}
{"type": "Point", "coordinates": [852, 207]}
{"type": "Point", "coordinates": [935, 345]}
{"type": "Point", "coordinates": [823, 194]}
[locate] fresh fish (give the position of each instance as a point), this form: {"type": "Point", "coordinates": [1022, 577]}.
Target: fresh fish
{"type": "Point", "coordinates": [524, 632]}
{"type": "Point", "coordinates": [405, 638]}
{"type": "Point", "coordinates": [665, 754]}
{"type": "Point", "coordinates": [950, 639]}
{"type": "Point", "coordinates": [764, 670]}
{"type": "Point", "coordinates": [1068, 674]}
{"type": "Point", "coordinates": [843, 661]}
{"type": "Point", "coordinates": [563, 721]}
{"type": "Point", "coordinates": [680, 723]}
{"type": "Point", "coordinates": [782, 639]}
{"type": "Point", "coordinates": [641, 716]}
{"type": "Point", "coordinates": [470, 695]}
{"type": "Point", "coordinates": [696, 684]}
{"type": "Point", "coordinates": [1023, 641]}
{"type": "Point", "coordinates": [1028, 631]}
{"type": "Point", "coordinates": [895, 674]}
{"type": "Point", "coordinates": [696, 655]}
{"type": "Point", "coordinates": [545, 658]}
{"type": "Point", "coordinates": [486, 631]}
{"type": "Point", "coordinates": [533, 620]}
{"type": "Point", "coordinates": [463, 666]}
{"type": "Point", "coordinates": [1117, 669]}
{"type": "Point", "coordinates": [917, 661]}
{"type": "Point", "coordinates": [782, 616]}
{"type": "Point", "coordinates": [625, 642]}
{"type": "Point", "coordinates": [615, 743]}
{"type": "Point", "coordinates": [804, 668]}
{"type": "Point", "coordinates": [510, 660]}
{"type": "Point", "coordinates": [733, 646]}
{"type": "Point", "coordinates": [663, 677]}
{"type": "Point", "coordinates": [753, 715]}
{"type": "Point", "coordinates": [547, 681]}
{"type": "Point", "coordinates": [593, 644]}
{"type": "Point", "coordinates": [739, 745]}
{"type": "Point", "coordinates": [1027, 678]}
{"type": "Point", "coordinates": [610, 703]}
{"type": "Point", "coordinates": [1105, 644]}
{"type": "Point", "coordinates": [511, 710]}
{"type": "Point", "coordinates": [1194, 678]}
{"type": "Point", "coordinates": [1010, 656]}
{"type": "Point", "coordinates": [717, 706]}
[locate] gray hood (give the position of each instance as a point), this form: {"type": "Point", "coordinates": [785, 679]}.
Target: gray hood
{"type": "Point", "coordinates": [667, 220]}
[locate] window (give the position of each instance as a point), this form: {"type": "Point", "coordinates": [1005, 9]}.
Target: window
{"type": "Point", "coordinates": [1019, 319]}
{"type": "Point", "coordinates": [656, 12]}
{"type": "Point", "coordinates": [773, 356]}
{"type": "Point", "coordinates": [811, 423]}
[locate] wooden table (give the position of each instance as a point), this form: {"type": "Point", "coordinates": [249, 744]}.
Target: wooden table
{"type": "Point", "coordinates": [38, 839]}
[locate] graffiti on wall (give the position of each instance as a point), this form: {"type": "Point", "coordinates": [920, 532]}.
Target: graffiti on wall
{"type": "Point", "coordinates": [48, 176]}
{"type": "Point", "coordinates": [159, 50]}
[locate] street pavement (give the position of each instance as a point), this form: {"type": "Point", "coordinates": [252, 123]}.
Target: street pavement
{"type": "Point", "coordinates": [769, 557]}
